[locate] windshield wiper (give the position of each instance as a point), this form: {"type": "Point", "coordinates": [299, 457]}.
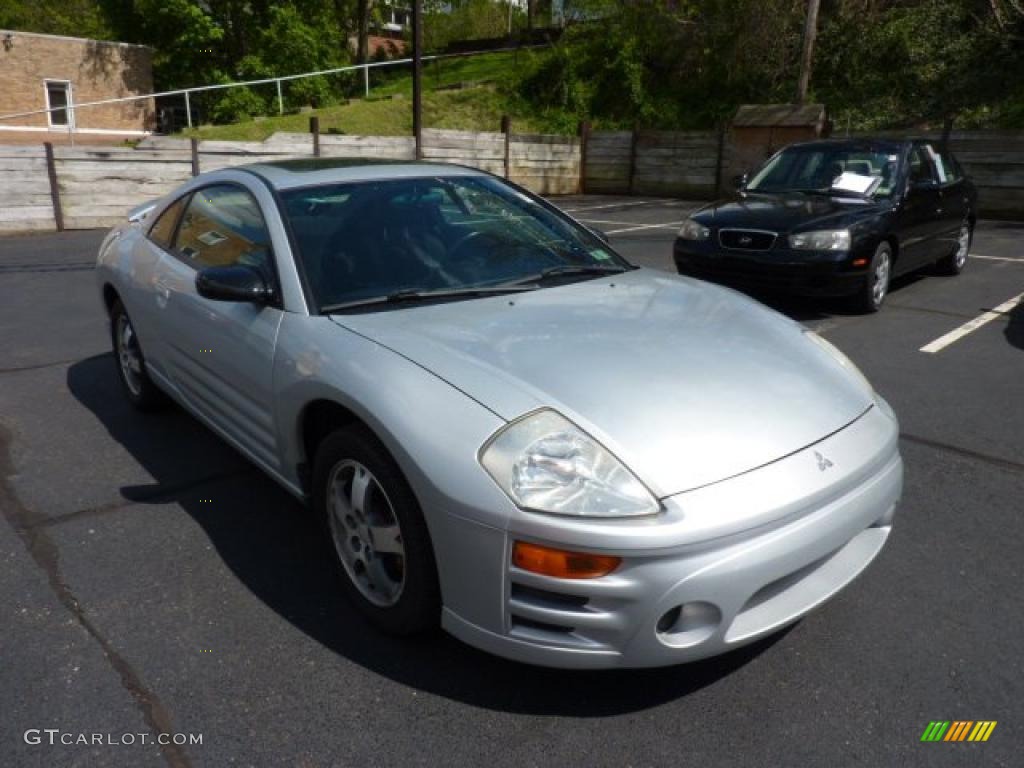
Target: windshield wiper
{"type": "Point", "coordinates": [412, 296]}
{"type": "Point", "coordinates": [833, 192]}
{"type": "Point", "coordinates": [570, 269]}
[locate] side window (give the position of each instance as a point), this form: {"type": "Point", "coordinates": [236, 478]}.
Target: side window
{"type": "Point", "coordinates": [946, 166]}
{"type": "Point", "coordinates": [222, 226]}
{"type": "Point", "coordinates": [162, 231]}
{"type": "Point", "coordinates": [920, 166]}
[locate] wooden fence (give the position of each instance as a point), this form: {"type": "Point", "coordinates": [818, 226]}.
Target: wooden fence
{"type": "Point", "coordinates": [995, 162]}
{"type": "Point", "coordinates": [84, 187]}
{"type": "Point", "coordinates": [46, 188]}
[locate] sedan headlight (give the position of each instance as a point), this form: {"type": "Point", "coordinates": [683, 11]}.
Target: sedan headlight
{"type": "Point", "coordinates": [694, 230]}
{"type": "Point", "coordinates": [821, 240]}
{"type": "Point", "coordinates": [546, 463]}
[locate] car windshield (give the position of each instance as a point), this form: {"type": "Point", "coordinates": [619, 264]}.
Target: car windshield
{"type": "Point", "coordinates": [440, 237]}
{"type": "Point", "coordinates": [837, 170]}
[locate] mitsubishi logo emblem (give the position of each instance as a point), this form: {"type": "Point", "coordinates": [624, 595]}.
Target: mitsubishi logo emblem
{"type": "Point", "coordinates": [823, 463]}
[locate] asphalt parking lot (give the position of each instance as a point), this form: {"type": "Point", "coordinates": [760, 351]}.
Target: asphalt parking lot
{"type": "Point", "coordinates": [151, 580]}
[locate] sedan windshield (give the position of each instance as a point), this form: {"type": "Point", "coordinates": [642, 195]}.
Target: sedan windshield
{"type": "Point", "coordinates": [837, 170]}
{"type": "Point", "coordinates": [395, 241]}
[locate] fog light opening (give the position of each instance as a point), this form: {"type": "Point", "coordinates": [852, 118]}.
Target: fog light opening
{"type": "Point", "coordinates": [688, 624]}
{"type": "Point", "coordinates": [668, 620]}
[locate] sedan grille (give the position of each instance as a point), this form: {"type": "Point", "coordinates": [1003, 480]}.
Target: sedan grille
{"type": "Point", "coordinates": [746, 239]}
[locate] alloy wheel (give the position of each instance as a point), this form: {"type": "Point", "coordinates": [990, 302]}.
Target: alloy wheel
{"type": "Point", "coordinates": [880, 277]}
{"type": "Point", "coordinates": [366, 533]}
{"type": "Point", "coordinates": [963, 245]}
{"type": "Point", "coordinates": [129, 355]}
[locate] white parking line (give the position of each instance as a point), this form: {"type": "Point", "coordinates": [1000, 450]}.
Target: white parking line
{"type": "Point", "coordinates": [610, 205]}
{"type": "Point", "coordinates": [996, 258]}
{"type": "Point", "coordinates": [630, 226]}
{"type": "Point", "coordinates": [972, 325]}
{"type": "Point", "coordinates": [638, 227]}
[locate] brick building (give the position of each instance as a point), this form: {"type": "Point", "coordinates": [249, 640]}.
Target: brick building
{"type": "Point", "coordinates": [52, 72]}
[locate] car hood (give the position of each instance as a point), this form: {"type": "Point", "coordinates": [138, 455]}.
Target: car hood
{"type": "Point", "coordinates": [687, 383]}
{"type": "Point", "coordinates": [786, 213]}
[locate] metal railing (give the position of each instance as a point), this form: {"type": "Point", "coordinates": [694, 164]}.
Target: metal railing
{"type": "Point", "coordinates": [70, 107]}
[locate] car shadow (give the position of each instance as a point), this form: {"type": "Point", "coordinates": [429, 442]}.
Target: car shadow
{"type": "Point", "coordinates": [1015, 328]}
{"type": "Point", "coordinates": [810, 308]}
{"type": "Point", "coordinates": [274, 547]}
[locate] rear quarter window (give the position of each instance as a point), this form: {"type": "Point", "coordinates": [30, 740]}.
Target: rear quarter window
{"type": "Point", "coordinates": [162, 231]}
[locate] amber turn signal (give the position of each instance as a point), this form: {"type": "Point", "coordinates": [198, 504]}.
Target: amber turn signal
{"type": "Point", "coordinates": [560, 563]}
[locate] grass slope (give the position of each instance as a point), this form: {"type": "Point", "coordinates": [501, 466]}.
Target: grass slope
{"type": "Point", "coordinates": [477, 106]}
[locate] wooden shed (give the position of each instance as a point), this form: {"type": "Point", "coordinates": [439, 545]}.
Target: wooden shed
{"type": "Point", "coordinates": [759, 130]}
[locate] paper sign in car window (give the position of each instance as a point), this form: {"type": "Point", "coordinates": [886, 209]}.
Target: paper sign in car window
{"type": "Point", "coordinates": [938, 163]}
{"type": "Point", "coordinates": [600, 254]}
{"type": "Point", "coordinates": [211, 238]}
{"type": "Point", "coordinates": [855, 182]}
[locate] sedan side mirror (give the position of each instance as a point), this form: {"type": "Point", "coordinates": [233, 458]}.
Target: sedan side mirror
{"type": "Point", "coordinates": [234, 283]}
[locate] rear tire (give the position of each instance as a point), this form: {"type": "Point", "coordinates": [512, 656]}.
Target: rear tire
{"type": "Point", "coordinates": [876, 285]}
{"type": "Point", "coordinates": [140, 390]}
{"type": "Point", "coordinates": [956, 261]}
{"type": "Point", "coordinates": [376, 533]}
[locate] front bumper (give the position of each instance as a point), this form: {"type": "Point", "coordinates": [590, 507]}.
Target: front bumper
{"type": "Point", "coordinates": [777, 270]}
{"type": "Point", "coordinates": [803, 539]}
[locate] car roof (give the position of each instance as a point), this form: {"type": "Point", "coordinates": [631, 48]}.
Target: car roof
{"type": "Point", "coordinates": [314, 171]}
{"type": "Point", "coordinates": [861, 142]}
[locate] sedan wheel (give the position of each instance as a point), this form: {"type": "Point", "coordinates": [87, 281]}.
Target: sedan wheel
{"type": "Point", "coordinates": [379, 539]}
{"type": "Point", "coordinates": [876, 285]}
{"type": "Point", "coordinates": [956, 261]}
{"type": "Point", "coordinates": [131, 363]}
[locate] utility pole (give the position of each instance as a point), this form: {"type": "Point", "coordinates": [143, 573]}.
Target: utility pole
{"type": "Point", "coordinates": [807, 56]}
{"type": "Point", "coordinates": [417, 76]}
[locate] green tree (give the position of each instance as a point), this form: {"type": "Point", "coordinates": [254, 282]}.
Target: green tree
{"type": "Point", "coordinates": [77, 18]}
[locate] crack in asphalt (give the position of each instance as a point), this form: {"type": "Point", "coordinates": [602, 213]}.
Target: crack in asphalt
{"type": "Point", "coordinates": [160, 494]}
{"type": "Point", "coordinates": [930, 311]}
{"type": "Point", "coordinates": [998, 461]}
{"type": "Point", "coordinates": [44, 552]}
{"type": "Point", "coordinates": [39, 366]}
{"type": "Point", "coordinates": [77, 266]}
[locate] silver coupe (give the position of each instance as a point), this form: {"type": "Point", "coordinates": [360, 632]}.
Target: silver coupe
{"type": "Point", "coordinates": [504, 427]}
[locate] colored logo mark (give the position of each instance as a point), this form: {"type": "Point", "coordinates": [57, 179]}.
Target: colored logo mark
{"type": "Point", "coordinates": [958, 730]}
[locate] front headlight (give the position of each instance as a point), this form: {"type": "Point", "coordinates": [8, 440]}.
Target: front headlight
{"type": "Point", "coordinates": [840, 357]}
{"type": "Point", "coordinates": [694, 230]}
{"type": "Point", "coordinates": [546, 463]}
{"type": "Point", "coordinates": [821, 240]}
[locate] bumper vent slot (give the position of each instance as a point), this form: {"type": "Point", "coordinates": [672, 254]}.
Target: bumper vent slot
{"type": "Point", "coordinates": [545, 599]}
{"type": "Point", "coordinates": [520, 622]}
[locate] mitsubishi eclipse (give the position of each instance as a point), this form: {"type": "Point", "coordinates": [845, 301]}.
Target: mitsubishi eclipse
{"type": "Point", "coordinates": [504, 427]}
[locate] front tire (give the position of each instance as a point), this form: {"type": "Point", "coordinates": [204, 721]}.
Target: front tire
{"type": "Point", "coordinates": [876, 285]}
{"type": "Point", "coordinates": [140, 390]}
{"type": "Point", "coordinates": [378, 537]}
{"type": "Point", "coordinates": [956, 261]}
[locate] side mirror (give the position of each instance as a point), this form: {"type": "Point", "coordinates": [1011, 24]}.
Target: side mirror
{"type": "Point", "coordinates": [235, 283]}
{"type": "Point", "coordinates": [740, 181]}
